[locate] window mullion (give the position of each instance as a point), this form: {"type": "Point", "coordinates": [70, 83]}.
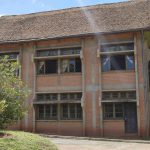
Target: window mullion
{"type": "Point", "coordinates": [51, 111]}
{"type": "Point", "coordinates": [114, 115]}
{"type": "Point", "coordinates": [76, 111]}
{"type": "Point", "coordinates": [69, 111]}
{"type": "Point", "coordinates": [44, 112]}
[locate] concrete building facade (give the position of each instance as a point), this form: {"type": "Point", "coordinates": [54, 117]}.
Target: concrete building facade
{"type": "Point", "coordinates": [90, 78]}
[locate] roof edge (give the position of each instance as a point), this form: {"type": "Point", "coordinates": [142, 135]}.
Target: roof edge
{"type": "Point", "coordinates": [72, 36]}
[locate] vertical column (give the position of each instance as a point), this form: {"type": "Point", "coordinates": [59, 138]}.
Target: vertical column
{"type": "Point", "coordinates": [139, 84]}
{"type": "Point", "coordinates": [34, 90]}
{"type": "Point", "coordinates": [83, 85]}
{"type": "Point", "coordinates": [91, 88]}
{"type": "Point", "coordinates": [100, 91]}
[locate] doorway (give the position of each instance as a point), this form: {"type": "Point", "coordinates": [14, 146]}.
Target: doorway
{"type": "Point", "coordinates": [130, 118]}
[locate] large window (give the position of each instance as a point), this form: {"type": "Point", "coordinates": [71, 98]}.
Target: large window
{"type": "Point", "coordinates": [117, 62]}
{"type": "Point", "coordinates": [113, 110]}
{"type": "Point", "coordinates": [71, 111]}
{"type": "Point", "coordinates": [63, 60]}
{"type": "Point", "coordinates": [69, 105]}
{"type": "Point", "coordinates": [51, 66]}
{"type": "Point", "coordinates": [47, 112]}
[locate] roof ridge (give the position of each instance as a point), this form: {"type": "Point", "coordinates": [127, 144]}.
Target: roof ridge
{"type": "Point", "coordinates": [75, 8]}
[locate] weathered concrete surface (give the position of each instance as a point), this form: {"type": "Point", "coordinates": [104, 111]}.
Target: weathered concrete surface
{"type": "Point", "coordinates": [78, 144]}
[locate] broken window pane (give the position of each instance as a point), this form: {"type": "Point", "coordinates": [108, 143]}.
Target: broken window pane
{"type": "Point", "coordinates": [71, 65]}
{"type": "Point", "coordinates": [105, 63]}
{"type": "Point", "coordinates": [65, 65]}
{"type": "Point", "coordinates": [41, 67]}
{"type": "Point", "coordinates": [130, 62]}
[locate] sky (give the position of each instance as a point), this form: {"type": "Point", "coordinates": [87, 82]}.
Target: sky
{"type": "Point", "coordinates": [15, 7]}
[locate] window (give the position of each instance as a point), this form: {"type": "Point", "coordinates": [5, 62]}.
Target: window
{"type": "Point", "coordinates": [117, 62]}
{"type": "Point", "coordinates": [130, 62]}
{"type": "Point", "coordinates": [119, 95]}
{"type": "Point", "coordinates": [47, 97]}
{"type": "Point", "coordinates": [71, 111]}
{"type": "Point", "coordinates": [42, 53]}
{"type": "Point", "coordinates": [47, 67]}
{"type": "Point", "coordinates": [71, 65]}
{"type": "Point", "coordinates": [117, 47]}
{"type": "Point", "coordinates": [105, 63]}
{"type": "Point", "coordinates": [47, 112]}
{"type": "Point", "coordinates": [10, 55]}
{"type": "Point", "coordinates": [56, 52]}
{"type": "Point", "coordinates": [68, 110]}
{"type": "Point", "coordinates": [71, 96]}
{"type": "Point", "coordinates": [70, 51]}
{"type": "Point", "coordinates": [113, 110]}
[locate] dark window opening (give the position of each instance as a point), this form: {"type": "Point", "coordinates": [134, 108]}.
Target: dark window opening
{"type": "Point", "coordinates": [47, 67]}
{"type": "Point", "coordinates": [50, 66]}
{"type": "Point", "coordinates": [118, 62]}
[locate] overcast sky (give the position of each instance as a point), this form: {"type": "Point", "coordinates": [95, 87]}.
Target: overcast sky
{"type": "Point", "coordinates": [12, 7]}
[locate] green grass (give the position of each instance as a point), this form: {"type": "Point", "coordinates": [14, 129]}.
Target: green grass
{"type": "Point", "coordinates": [25, 141]}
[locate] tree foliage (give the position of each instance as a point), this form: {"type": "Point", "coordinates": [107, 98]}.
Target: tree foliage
{"type": "Point", "coordinates": [13, 93]}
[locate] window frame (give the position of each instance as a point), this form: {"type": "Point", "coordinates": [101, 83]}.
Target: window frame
{"type": "Point", "coordinates": [110, 63]}
{"type": "Point", "coordinates": [51, 117]}
{"type": "Point", "coordinates": [69, 111]}
{"type": "Point", "coordinates": [119, 97]}
{"type": "Point", "coordinates": [114, 111]}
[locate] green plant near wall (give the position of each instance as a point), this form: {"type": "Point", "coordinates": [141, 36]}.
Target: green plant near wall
{"type": "Point", "coordinates": [13, 93]}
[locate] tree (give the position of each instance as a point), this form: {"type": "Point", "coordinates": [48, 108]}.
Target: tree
{"type": "Point", "coordinates": [13, 93]}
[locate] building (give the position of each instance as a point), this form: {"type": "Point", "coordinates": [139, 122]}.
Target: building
{"type": "Point", "coordinates": [88, 69]}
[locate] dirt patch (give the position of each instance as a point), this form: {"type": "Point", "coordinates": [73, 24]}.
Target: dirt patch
{"type": "Point", "coordinates": [5, 135]}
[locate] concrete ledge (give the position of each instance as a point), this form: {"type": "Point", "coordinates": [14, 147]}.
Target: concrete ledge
{"type": "Point", "coordinates": [98, 139]}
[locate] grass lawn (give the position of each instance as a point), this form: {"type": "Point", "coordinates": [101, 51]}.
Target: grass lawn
{"type": "Point", "coordinates": [25, 141]}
